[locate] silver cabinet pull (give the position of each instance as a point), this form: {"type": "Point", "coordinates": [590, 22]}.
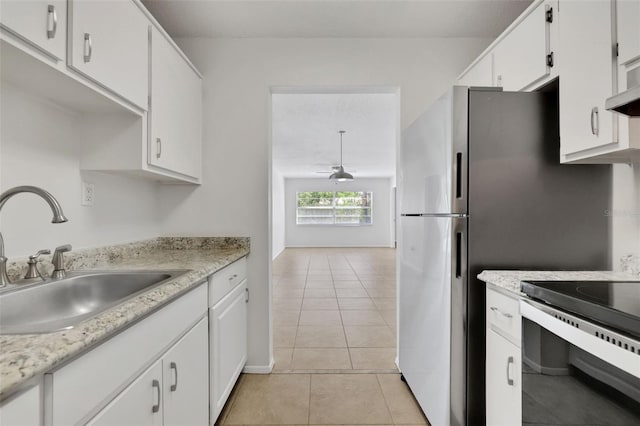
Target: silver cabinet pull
{"type": "Point", "coordinates": [156, 407]}
{"type": "Point", "coordinates": [595, 121]}
{"type": "Point", "coordinates": [88, 48]}
{"type": "Point", "coordinates": [510, 361]}
{"type": "Point", "coordinates": [53, 18]}
{"type": "Point", "coordinates": [158, 147]}
{"type": "Point", "coordinates": [498, 311]}
{"type": "Point", "coordinates": [174, 386]}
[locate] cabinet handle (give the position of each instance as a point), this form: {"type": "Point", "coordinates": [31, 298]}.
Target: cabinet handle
{"type": "Point", "coordinates": [174, 387]}
{"type": "Point", "coordinates": [156, 407]}
{"type": "Point", "coordinates": [158, 147]}
{"type": "Point", "coordinates": [510, 362]}
{"type": "Point", "coordinates": [498, 311]}
{"type": "Point", "coordinates": [51, 13]}
{"type": "Point", "coordinates": [88, 48]}
{"type": "Point", "coordinates": [247, 299]}
{"type": "Point", "coordinates": [595, 121]}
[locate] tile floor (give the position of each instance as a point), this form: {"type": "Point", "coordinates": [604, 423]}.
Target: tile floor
{"type": "Point", "coordinates": [334, 315]}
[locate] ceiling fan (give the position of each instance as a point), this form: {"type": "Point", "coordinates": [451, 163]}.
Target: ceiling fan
{"type": "Point", "coordinates": [337, 172]}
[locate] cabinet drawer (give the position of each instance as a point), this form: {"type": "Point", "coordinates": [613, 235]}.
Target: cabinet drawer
{"type": "Point", "coordinates": [503, 315]}
{"type": "Point", "coordinates": [79, 389]}
{"type": "Point", "coordinates": [222, 282]}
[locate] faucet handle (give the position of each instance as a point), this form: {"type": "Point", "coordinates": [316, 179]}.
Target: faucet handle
{"type": "Point", "coordinates": [58, 261]}
{"type": "Point", "coordinates": [34, 257]}
{"type": "Point", "coordinates": [32, 270]}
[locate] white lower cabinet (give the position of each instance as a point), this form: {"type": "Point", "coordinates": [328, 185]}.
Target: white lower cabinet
{"type": "Point", "coordinates": [504, 383]}
{"type": "Point", "coordinates": [228, 350]}
{"type": "Point", "coordinates": [139, 404]}
{"type": "Point", "coordinates": [504, 360]}
{"type": "Point", "coordinates": [173, 391]}
{"type": "Point", "coordinates": [24, 409]}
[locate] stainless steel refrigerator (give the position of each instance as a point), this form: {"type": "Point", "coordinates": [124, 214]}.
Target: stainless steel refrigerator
{"type": "Point", "coordinates": [481, 187]}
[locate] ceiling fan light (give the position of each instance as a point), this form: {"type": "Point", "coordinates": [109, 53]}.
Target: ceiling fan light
{"type": "Point", "coordinates": [341, 175]}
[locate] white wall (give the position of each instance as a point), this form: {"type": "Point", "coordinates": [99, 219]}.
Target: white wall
{"type": "Point", "coordinates": [278, 214]}
{"type": "Point", "coordinates": [376, 235]}
{"type": "Point", "coordinates": [238, 75]}
{"type": "Point", "coordinates": [41, 146]}
{"type": "Point", "coordinates": [625, 213]}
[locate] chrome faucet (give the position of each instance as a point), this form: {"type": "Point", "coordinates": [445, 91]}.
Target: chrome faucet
{"type": "Point", "coordinates": [58, 217]}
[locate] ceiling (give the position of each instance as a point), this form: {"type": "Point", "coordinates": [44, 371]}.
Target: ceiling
{"type": "Point", "coordinates": [305, 136]}
{"type": "Point", "coordinates": [335, 18]}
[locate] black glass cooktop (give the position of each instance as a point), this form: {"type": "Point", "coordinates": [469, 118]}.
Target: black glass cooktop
{"type": "Point", "coordinates": [612, 303]}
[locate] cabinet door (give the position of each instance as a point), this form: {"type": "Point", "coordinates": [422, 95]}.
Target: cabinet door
{"type": "Point", "coordinates": [175, 110]}
{"type": "Point", "coordinates": [628, 23]}
{"type": "Point", "coordinates": [42, 24]}
{"type": "Point", "coordinates": [481, 74]}
{"type": "Point", "coordinates": [586, 71]}
{"type": "Point", "coordinates": [23, 410]}
{"type": "Point", "coordinates": [520, 59]}
{"type": "Point", "coordinates": [186, 382]}
{"type": "Point", "coordinates": [228, 351]}
{"type": "Point", "coordinates": [139, 404]}
{"type": "Point", "coordinates": [504, 381]}
{"type": "Point", "coordinates": [109, 43]}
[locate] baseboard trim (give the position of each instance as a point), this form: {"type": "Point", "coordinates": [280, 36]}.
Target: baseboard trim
{"type": "Point", "coordinates": [340, 246]}
{"type": "Point", "coordinates": [259, 369]}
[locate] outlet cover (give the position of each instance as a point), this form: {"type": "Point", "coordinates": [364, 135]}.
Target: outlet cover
{"type": "Point", "coordinates": [88, 194]}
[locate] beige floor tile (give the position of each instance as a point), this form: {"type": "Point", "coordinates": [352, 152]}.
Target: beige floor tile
{"type": "Point", "coordinates": [319, 292]}
{"type": "Point", "coordinates": [403, 406]}
{"type": "Point", "coordinates": [227, 406]}
{"type": "Point", "coordinates": [362, 318]}
{"type": "Point", "coordinates": [381, 292]}
{"type": "Point", "coordinates": [285, 318]}
{"type": "Point", "coordinates": [351, 292]}
{"type": "Point", "coordinates": [369, 337]}
{"type": "Point", "coordinates": [284, 337]}
{"type": "Point", "coordinates": [320, 337]}
{"type": "Point", "coordinates": [344, 277]}
{"type": "Point", "coordinates": [320, 304]}
{"type": "Point", "coordinates": [324, 318]}
{"type": "Point", "coordinates": [390, 317]}
{"type": "Point", "coordinates": [285, 292]}
{"type": "Point", "coordinates": [347, 284]}
{"type": "Point", "coordinates": [291, 283]}
{"type": "Point", "coordinates": [287, 304]}
{"type": "Point", "coordinates": [320, 359]}
{"type": "Point", "coordinates": [282, 358]}
{"type": "Point", "coordinates": [385, 303]}
{"type": "Point", "coordinates": [373, 358]}
{"type": "Point", "coordinates": [347, 399]}
{"type": "Point", "coordinates": [271, 399]}
{"type": "Point", "coordinates": [320, 284]}
{"type": "Point", "coordinates": [356, 303]}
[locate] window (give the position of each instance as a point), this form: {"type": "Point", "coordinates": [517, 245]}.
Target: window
{"type": "Point", "coordinates": [334, 208]}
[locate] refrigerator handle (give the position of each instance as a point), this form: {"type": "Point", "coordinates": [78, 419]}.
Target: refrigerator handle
{"type": "Point", "coordinates": [458, 175]}
{"type": "Point", "coordinates": [458, 271]}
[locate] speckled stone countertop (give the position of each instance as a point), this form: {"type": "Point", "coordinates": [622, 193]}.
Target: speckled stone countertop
{"type": "Point", "coordinates": [27, 356]}
{"type": "Point", "coordinates": [509, 281]}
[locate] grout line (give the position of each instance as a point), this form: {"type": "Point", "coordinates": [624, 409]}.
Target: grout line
{"type": "Point", "coordinates": [385, 400]}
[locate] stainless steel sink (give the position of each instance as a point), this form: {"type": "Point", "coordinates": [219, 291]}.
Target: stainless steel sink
{"type": "Point", "coordinates": [62, 304]}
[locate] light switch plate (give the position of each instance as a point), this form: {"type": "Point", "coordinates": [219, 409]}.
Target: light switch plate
{"type": "Point", "coordinates": [88, 194]}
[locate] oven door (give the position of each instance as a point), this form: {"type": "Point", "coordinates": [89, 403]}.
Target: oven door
{"type": "Point", "coordinates": [575, 372]}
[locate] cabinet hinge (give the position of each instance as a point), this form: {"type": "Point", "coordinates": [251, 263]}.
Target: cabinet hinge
{"type": "Point", "coordinates": [550, 60]}
{"type": "Point", "coordinates": [617, 50]}
{"type": "Point", "coordinates": [246, 300]}
{"type": "Point", "coordinates": [549, 15]}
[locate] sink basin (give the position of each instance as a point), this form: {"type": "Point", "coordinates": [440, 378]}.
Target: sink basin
{"type": "Point", "coordinates": [62, 304]}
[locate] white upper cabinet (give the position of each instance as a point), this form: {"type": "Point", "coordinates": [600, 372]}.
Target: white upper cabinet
{"type": "Point", "coordinates": [109, 43]}
{"type": "Point", "coordinates": [479, 74]}
{"type": "Point", "coordinates": [628, 22]}
{"type": "Point", "coordinates": [586, 80]}
{"type": "Point", "coordinates": [523, 56]}
{"type": "Point", "coordinates": [175, 111]}
{"type": "Point", "coordinates": [42, 24]}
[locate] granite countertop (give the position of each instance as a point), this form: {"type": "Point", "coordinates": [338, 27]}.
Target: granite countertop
{"type": "Point", "coordinates": [509, 281]}
{"type": "Point", "coordinates": [25, 357]}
